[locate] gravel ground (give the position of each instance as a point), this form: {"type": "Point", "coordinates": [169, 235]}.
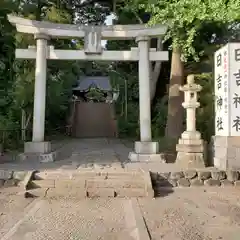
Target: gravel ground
{"type": "Point", "coordinates": [102, 219]}
{"type": "Point", "coordinates": [194, 214]}
{"type": "Point", "coordinates": [182, 214]}
{"type": "Point", "coordinates": [12, 208]}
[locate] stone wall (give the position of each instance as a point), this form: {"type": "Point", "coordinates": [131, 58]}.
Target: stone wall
{"type": "Point", "coordinates": [195, 178]}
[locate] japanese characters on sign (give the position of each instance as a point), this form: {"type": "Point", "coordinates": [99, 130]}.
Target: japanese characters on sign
{"type": "Point", "coordinates": [221, 92]}
{"type": "Point", "coordinates": [237, 52]}
{"type": "Point", "coordinates": [227, 90]}
{"type": "Point", "coordinates": [234, 81]}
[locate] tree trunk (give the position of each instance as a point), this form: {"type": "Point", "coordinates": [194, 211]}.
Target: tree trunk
{"type": "Point", "coordinates": [39, 10]}
{"type": "Point", "coordinates": [156, 71]}
{"type": "Point", "coordinates": [174, 125]}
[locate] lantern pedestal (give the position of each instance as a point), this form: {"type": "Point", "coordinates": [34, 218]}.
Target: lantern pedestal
{"type": "Point", "coordinates": [191, 150]}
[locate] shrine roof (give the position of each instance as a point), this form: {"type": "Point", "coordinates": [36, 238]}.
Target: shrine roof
{"type": "Point", "coordinates": [85, 83]}
{"type": "Point", "coordinates": [70, 30]}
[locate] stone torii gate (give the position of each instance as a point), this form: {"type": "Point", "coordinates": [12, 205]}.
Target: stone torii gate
{"type": "Point", "coordinates": [44, 31]}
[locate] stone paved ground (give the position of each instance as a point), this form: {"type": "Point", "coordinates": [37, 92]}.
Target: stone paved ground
{"type": "Point", "coordinates": [82, 153]}
{"type": "Point", "coordinates": [181, 214]}
{"type": "Point", "coordinates": [74, 153]}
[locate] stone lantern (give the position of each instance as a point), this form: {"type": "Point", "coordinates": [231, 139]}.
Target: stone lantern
{"type": "Point", "coordinates": [190, 147]}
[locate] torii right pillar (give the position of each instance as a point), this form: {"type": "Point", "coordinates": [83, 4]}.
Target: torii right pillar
{"type": "Point", "coordinates": [145, 149]}
{"type": "Point", "coordinates": [190, 148]}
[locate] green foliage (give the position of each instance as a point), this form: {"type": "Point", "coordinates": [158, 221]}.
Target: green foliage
{"type": "Point", "coordinates": [191, 27]}
{"type": "Point", "coordinates": [127, 106]}
{"type": "Point", "coordinates": [95, 94]}
{"type": "Point", "coordinates": [7, 75]}
{"type": "Point", "coordinates": [185, 18]}
{"type": "Point", "coordinates": [159, 118]}
{"type": "Point", "coordinates": [56, 15]}
{"type": "Point", "coordinates": [7, 49]}
{"type": "Point", "coordinates": [205, 114]}
{"type": "Point", "coordinates": [17, 76]}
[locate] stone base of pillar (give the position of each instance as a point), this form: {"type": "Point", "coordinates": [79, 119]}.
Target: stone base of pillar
{"type": "Point", "coordinates": [146, 147]}
{"type": "Point", "coordinates": [226, 152]}
{"type": "Point", "coordinates": [190, 160]}
{"type": "Point", "coordinates": [191, 151]}
{"type": "Point", "coordinates": [138, 157]}
{"type": "Point", "coordinates": [145, 152]}
{"type": "Point", "coordinates": [40, 151]}
{"type": "Point", "coordinates": [37, 147]}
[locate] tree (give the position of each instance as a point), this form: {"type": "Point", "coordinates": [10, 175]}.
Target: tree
{"type": "Point", "coordinates": [184, 19]}
{"type": "Point", "coordinates": [17, 76]}
{"type": "Point", "coordinates": [7, 49]}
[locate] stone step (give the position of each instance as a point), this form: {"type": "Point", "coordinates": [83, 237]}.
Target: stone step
{"type": "Point", "coordinates": [38, 192]}
{"type": "Point", "coordinates": [70, 174]}
{"type": "Point", "coordinates": [115, 183]}
{"type": "Point", "coordinates": [80, 193]}
{"type": "Point", "coordinates": [44, 183]}
{"type": "Point", "coordinates": [63, 193]}
{"type": "Point", "coordinates": [89, 183]}
{"type": "Point", "coordinates": [74, 184]}
{"type": "Point", "coordinates": [52, 175]}
{"type": "Point", "coordinates": [134, 192]}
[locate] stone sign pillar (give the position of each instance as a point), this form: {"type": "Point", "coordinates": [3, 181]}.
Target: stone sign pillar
{"type": "Point", "coordinates": [38, 145]}
{"type": "Point", "coordinates": [226, 142]}
{"type": "Point", "coordinates": [190, 147]}
{"type": "Point", "coordinates": [145, 149]}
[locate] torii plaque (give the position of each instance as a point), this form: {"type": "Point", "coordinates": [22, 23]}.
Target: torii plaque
{"type": "Point", "coordinates": [92, 40]}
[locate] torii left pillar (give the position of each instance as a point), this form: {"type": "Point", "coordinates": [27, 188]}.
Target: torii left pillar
{"type": "Point", "coordinates": [38, 145]}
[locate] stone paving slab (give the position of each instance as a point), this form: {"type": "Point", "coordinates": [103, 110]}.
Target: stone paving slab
{"type": "Point", "coordinates": [78, 153]}
{"type": "Point", "coordinates": [78, 220]}
{"type": "Point", "coordinates": [92, 154]}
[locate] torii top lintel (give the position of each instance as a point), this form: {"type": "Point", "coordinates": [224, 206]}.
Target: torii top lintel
{"type": "Point", "coordinates": [55, 30]}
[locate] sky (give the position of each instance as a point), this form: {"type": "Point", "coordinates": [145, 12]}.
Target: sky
{"type": "Point", "coordinates": [109, 19]}
{"type": "Point", "coordinates": [108, 22]}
